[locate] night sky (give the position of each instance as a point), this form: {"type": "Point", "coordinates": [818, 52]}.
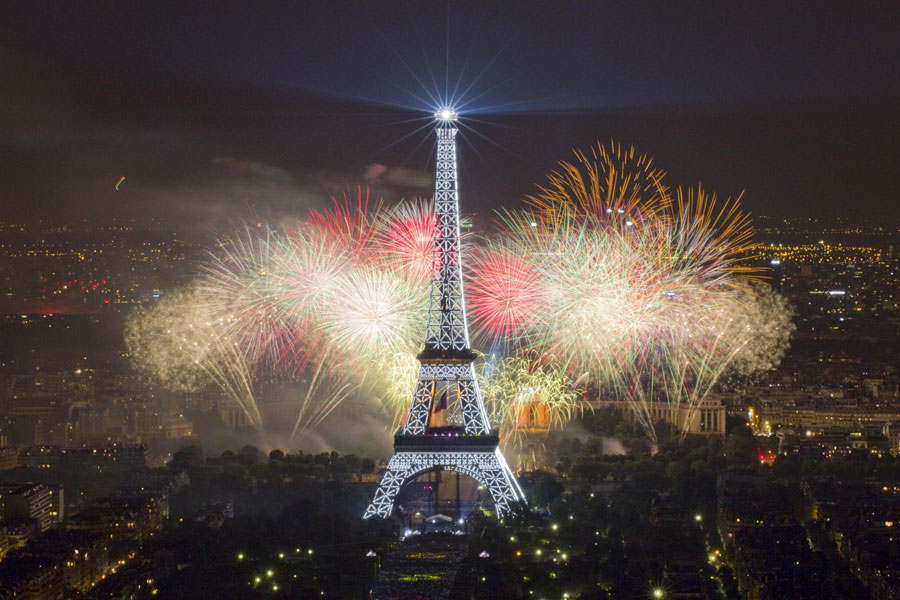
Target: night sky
{"type": "Point", "coordinates": [215, 111]}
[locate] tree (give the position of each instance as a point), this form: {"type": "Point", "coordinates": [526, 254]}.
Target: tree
{"type": "Point", "coordinates": [740, 445]}
{"type": "Point", "coordinates": [544, 488]}
{"type": "Point", "coordinates": [276, 454]}
{"type": "Point", "coordinates": [188, 457]}
{"type": "Point", "coordinates": [249, 455]}
{"type": "Point", "coordinates": [589, 469]}
{"type": "Point", "coordinates": [353, 462]}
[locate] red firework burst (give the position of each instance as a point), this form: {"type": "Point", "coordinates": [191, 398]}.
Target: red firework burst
{"type": "Point", "coordinates": [406, 242]}
{"type": "Point", "coordinates": [353, 226]}
{"type": "Point", "coordinates": [504, 292]}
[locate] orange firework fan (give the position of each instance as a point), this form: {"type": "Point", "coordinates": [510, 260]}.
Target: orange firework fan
{"type": "Point", "coordinates": [718, 236]}
{"type": "Point", "coordinates": [608, 183]}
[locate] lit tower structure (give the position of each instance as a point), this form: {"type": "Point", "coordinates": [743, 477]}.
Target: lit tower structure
{"type": "Point", "coordinates": [447, 427]}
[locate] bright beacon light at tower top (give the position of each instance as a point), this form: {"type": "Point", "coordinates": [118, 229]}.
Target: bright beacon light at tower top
{"type": "Point", "coordinates": [445, 114]}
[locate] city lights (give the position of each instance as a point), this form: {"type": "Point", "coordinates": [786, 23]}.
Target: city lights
{"type": "Point", "coordinates": [393, 256]}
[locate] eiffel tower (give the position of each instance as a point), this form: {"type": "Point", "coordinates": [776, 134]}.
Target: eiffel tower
{"type": "Point", "coordinates": [446, 385]}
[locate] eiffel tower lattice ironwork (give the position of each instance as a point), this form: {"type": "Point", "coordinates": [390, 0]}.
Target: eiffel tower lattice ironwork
{"type": "Point", "coordinates": [430, 440]}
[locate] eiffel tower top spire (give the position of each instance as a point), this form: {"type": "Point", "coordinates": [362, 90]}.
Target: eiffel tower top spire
{"type": "Point", "coordinates": [447, 333]}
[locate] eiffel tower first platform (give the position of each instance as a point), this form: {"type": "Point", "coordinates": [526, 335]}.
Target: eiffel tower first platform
{"type": "Point", "coordinates": [430, 440]}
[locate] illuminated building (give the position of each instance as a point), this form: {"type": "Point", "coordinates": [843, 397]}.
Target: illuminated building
{"type": "Point", "coordinates": [123, 518]}
{"type": "Point", "coordinates": [9, 458]}
{"type": "Point", "coordinates": [447, 427]}
{"type": "Point", "coordinates": [532, 426]}
{"type": "Point", "coordinates": [707, 418]}
{"type": "Point", "coordinates": [30, 501]}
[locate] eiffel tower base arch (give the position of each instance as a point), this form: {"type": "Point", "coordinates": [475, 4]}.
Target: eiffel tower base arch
{"type": "Point", "coordinates": [485, 465]}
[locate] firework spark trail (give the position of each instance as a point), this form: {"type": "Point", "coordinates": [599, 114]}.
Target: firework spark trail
{"type": "Point", "coordinates": [351, 226]}
{"type": "Point", "coordinates": [231, 291]}
{"type": "Point", "coordinates": [590, 287]}
{"type": "Point", "coordinates": [177, 344]}
{"type": "Point", "coordinates": [393, 378]}
{"type": "Point", "coordinates": [651, 296]}
{"type": "Point", "coordinates": [372, 312]}
{"type": "Point", "coordinates": [406, 239]}
{"type": "Point", "coordinates": [605, 183]}
{"type": "Point", "coordinates": [317, 404]}
{"type": "Point", "coordinates": [523, 396]}
{"type": "Point", "coordinates": [305, 267]}
{"type": "Point", "coordinates": [739, 333]}
{"type": "Point", "coordinates": [504, 291]}
{"type": "Point", "coordinates": [604, 279]}
{"type": "Point", "coordinates": [314, 299]}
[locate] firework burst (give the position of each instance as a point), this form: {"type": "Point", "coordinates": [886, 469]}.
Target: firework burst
{"type": "Point", "coordinates": [178, 344]}
{"type": "Point", "coordinates": [372, 312]}
{"type": "Point", "coordinates": [609, 183]}
{"type": "Point", "coordinates": [405, 241]}
{"type": "Point", "coordinates": [653, 298]}
{"type": "Point", "coordinates": [324, 300]}
{"type": "Point", "coordinates": [525, 397]}
{"type": "Point", "coordinates": [606, 278]}
{"type": "Point", "coordinates": [505, 291]}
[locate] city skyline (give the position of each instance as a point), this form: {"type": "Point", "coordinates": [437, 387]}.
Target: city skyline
{"type": "Point", "coordinates": [370, 301]}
